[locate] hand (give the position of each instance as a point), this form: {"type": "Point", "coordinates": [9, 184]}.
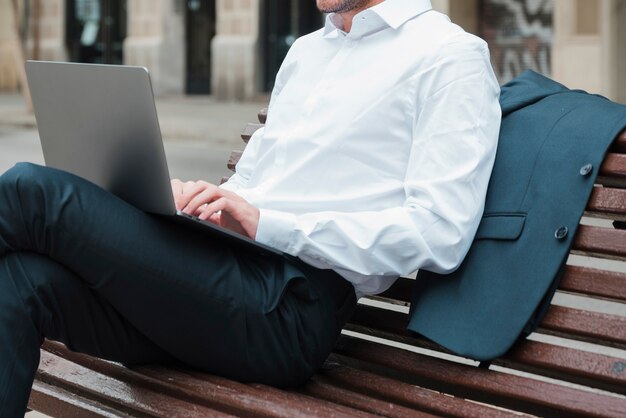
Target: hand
{"type": "Point", "coordinates": [221, 207]}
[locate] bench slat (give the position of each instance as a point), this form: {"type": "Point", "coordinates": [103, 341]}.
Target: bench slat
{"type": "Point", "coordinates": [401, 393]}
{"type": "Point", "coordinates": [607, 203]}
{"type": "Point", "coordinates": [255, 399]}
{"type": "Point", "coordinates": [233, 159]}
{"type": "Point", "coordinates": [582, 280]}
{"type": "Point", "coordinates": [57, 402]}
{"type": "Point", "coordinates": [483, 385]}
{"type": "Point", "coordinates": [594, 282]}
{"type": "Point", "coordinates": [203, 389]}
{"type": "Point", "coordinates": [576, 366]}
{"type": "Point", "coordinates": [600, 242]}
{"type": "Point", "coordinates": [318, 388]}
{"type": "Point", "coordinates": [613, 170]}
{"type": "Point", "coordinates": [589, 326]}
{"type": "Point", "coordinates": [97, 387]}
{"type": "Point", "coordinates": [249, 130]}
{"type": "Point", "coordinates": [262, 115]}
{"type": "Point", "coordinates": [595, 370]}
{"type": "Point", "coordinates": [576, 324]}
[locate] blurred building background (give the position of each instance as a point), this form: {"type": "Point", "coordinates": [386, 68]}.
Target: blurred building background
{"type": "Point", "coordinates": [233, 48]}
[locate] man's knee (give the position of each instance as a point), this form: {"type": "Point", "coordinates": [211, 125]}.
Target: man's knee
{"type": "Point", "coordinates": [24, 176]}
{"type": "Point", "coordinates": [24, 171]}
{"type": "Point", "coordinates": [34, 187]}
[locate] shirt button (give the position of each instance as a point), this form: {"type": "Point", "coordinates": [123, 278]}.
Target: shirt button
{"type": "Point", "coordinates": [586, 169]}
{"type": "Point", "coordinates": [561, 233]}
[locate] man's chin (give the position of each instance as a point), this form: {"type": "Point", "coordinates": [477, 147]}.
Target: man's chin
{"type": "Point", "coordinates": [339, 6]}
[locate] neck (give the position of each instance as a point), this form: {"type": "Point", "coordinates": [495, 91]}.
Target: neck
{"type": "Point", "coordinates": [349, 15]}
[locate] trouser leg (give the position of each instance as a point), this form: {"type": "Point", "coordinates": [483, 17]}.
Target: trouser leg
{"type": "Point", "coordinates": [39, 297]}
{"type": "Point", "coordinates": [177, 287]}
{"type": "Point", "coordinates": [238, 315]}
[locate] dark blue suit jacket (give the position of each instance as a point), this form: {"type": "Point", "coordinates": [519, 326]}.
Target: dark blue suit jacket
{"type": "Point", "coordinates": [552, 142]}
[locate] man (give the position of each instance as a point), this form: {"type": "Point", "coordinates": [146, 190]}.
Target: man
{"type": "Point", "coordinates": [374, 162]}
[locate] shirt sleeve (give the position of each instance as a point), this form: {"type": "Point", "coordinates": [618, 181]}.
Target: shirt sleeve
{"type": "Point", "coordinates": [455, 129]}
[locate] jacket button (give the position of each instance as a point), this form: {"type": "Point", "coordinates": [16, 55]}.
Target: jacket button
{"type": "Point", "coordinates": [586, 169]}
{"type": "Point", "coordinates": [561, 233]}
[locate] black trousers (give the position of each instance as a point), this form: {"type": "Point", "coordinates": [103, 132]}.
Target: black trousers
{"type": "Point", "coordinates": [80, 266]}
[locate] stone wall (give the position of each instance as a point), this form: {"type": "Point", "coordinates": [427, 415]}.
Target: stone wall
{"type": "Point", "coordinates": [462, 12]}
{"type": "Point", "coordinates": [587, 52]}
{"type": "Point", "coordinates": [51, 31]}
{"type": "Point", "coordinates": [156, 40]}
{"type": "Point", "coordinates": [620, 51]}
{"type": "Point", "coordinates": [50, 26]}
{"type": "Point", "coordinates": [8, 73]}
{"type": "Point", "coordinates": [520, 35]}
{"type": "Point", "coordinates": [235, 52]}
{"type": "Point", "coordinates": [586, 48]}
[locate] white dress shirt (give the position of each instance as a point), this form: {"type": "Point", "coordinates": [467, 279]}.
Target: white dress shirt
{"type": "Point", "coordinates": [378, 146]}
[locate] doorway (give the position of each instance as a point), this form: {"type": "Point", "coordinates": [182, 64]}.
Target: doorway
{"type": "Point", "coordinates": [200, 30]}
{"type": "Point", "coordinates": [95, 30]}
{"type": "Point", "coordinates": [283, 21]}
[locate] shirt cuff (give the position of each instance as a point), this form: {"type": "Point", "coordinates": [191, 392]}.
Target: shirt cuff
{"type": "Point", "coordinates": [276, 229]}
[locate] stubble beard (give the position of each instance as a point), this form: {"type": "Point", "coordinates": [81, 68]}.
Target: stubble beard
{"type": "Point", "coordinates": [339, 6]}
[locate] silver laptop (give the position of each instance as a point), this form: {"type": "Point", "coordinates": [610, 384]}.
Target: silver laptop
{"type": "Point", "coordinates": [100, 123]}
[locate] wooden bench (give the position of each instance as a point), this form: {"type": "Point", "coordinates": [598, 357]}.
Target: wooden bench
{"type": "Point", "coordinates": [574, 365]}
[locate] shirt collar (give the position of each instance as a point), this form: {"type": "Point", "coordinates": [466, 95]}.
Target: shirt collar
{"type": "Point", "coordinates": [394, 13]}
{"type": "Point", "coordinates": [332, 25]}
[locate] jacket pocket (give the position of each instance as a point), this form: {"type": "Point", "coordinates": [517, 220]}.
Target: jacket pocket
{"type": "Point", "coordinates": [501, 226]}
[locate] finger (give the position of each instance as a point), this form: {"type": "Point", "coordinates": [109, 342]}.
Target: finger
{"type": "Point", "coordinates": [177, 190]}
{"type": "Point", "coordinates": [215, 207]}
{"type": "Point", "coordinates": [177, 186]}
{"type": "Point", "coordinates": [216, 218]}
{"type": "Point", "coordinates": [188, 185]}
{"type": "Point", "coordinates": [200, 184]}
{"type": "Point", "coordinates": [244, 216]}
{"type": "Point", "coordinates": [206, 196]}
{"type": "Point", "coordinates": [180, 197]}
{"type": "Point", "coordinates": [191, 191]}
